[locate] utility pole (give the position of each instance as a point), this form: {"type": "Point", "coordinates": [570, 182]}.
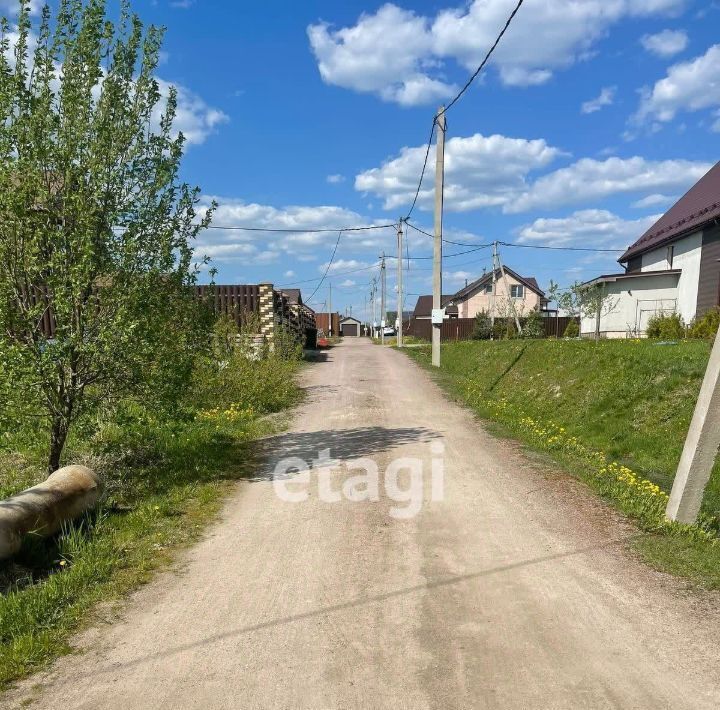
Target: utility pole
{"type": "Point", "coordinates": [330, 309]}
{"type": "Point", "coordinates": [373, 300]}
{"type": "Point", "coordinates": [399, 285]}
{"type": "Point", "coordinates": [383, 287]}
{"type": "Point", "coordinates": [701, 447]}
{"type": "Point", "coordinates": [437, 246]}
{"type": "Point", "coordinates": [493, 294]}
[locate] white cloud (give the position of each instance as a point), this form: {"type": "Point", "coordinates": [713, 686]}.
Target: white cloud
{"type": "Point", "coordinates": [289, 274]}
{"type": "Point", "coordinates": [499, 172]}
{"type": "Point", "coordinates": [343, 265]}
{"type": "Point", "coordinates": [402, 56]}
{"type": "Point", "coordinates": [667, 43]}
{"type": "Point", "coordinates": [652, 201]}
{"type": "Point", "coordinates": [224, 245]}
{"type": "Point", "coordinates": [589, 180]}
{"type": "Point", "coordinates": [335, 179]}
{"type": "Point", "coordinates": [11, 6]}
{"type": "Point", "coordinates": [606, 98]}
{"type": "Point", "coordinates": [480, 171]}
{"type": "Point", "coordinates": [348, 283]}
{"type": "Point", "coordinates": [689, 86]}
{"type": "Point", "coordinates": [586, 228]}
{"type": "Point", "coordinates": [195, 119]}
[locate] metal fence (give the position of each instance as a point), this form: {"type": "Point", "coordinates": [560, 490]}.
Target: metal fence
{"type": "Point", "coordinates": [235, 301]}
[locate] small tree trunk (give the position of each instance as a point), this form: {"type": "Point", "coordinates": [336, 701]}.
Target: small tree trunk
{"type": "Point", "coordinates": [58, 437]}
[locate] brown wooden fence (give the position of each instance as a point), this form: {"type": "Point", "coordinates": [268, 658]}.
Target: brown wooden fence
{"type": "Point", "coordinates": [462, 328]}
{"type": "Point", "coordinates": [234, 301]}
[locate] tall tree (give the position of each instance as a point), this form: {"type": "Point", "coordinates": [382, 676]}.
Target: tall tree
{"type": "Point", "coordinates": [96, 229]}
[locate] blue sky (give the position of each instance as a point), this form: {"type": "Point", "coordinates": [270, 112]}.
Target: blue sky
{"type": "Point", "coordinates": [593, 116]}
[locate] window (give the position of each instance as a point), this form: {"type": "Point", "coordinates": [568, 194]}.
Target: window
{"type": "Point", "coordinates": [517, 291]}
{"type": "Point", "coordinates": [488, 288]}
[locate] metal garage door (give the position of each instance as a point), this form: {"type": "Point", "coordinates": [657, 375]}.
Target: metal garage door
{"type": "Point", "coordinates": [350, 329]}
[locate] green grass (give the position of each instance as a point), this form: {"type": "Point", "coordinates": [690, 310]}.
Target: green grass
{"type": "Point", "coordinates": [167, 474]}
{"type": "Point", "coordinates": [628, 402]}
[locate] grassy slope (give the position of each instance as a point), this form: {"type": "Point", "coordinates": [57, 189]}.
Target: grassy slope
{"type": "Point", "coordinates": [631, 400]}
{"type": "Point", "coordinates": [167, 476]}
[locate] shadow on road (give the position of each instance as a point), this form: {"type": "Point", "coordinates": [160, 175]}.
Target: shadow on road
{"type": "Point", "coordinates": [344, 445]}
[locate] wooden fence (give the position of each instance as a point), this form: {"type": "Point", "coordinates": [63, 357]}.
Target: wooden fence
{"type": "Point", "coordinates": [462, 328]}
{"type": "Point", "coordinates": [234, 301]}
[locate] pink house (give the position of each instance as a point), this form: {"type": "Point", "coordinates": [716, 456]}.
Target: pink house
{"type": "Point", "coordinates": [508, 293]}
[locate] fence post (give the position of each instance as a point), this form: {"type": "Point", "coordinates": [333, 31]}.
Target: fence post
{"type": "Point", "coordinates": [267, 313]}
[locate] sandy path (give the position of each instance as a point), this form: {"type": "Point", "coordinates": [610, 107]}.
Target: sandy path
{"type": "Point", "coordinates": [515, 591]}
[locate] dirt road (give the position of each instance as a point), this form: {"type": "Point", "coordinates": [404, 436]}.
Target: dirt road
{"type": "Point", "coordinates": [515, 591]}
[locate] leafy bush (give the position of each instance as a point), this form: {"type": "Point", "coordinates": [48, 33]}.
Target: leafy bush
{"type": "Point", "coordinates": [706, 327]}
{"type": "Point", "coordinates": [534, 326]}
{"type": "Point", "coordinates": [666, 327]}
{"type": "Point", "coordinates": [572, 330]}
{"type": "Point", "coordinates": [483, 326]}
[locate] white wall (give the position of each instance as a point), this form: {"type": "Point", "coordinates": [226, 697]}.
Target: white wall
{"type": "Point", "coordinates": [687, 255]}
{"type": "Point", "coordinates": [631, 302]}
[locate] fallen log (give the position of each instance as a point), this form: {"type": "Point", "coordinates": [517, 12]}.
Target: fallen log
{"type": "Point", "coordinates": [42, 509]}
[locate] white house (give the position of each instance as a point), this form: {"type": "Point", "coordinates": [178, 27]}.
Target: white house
{"type": "Point", "coordinates": [673, 268]}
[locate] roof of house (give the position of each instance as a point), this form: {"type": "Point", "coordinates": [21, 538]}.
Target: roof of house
{"type": "Point", "coordinates": [293, 295]}
{"type": "Point", "coordinates": [424, 305]}
{"type": "Point", "coordinates": [528, 281]}
{"type": "Point", "coordinates": [700, 205]}
{"type": "Point", "coordinates": [611, 278]}
{"type": "Point", "coordinates": [347, 319]}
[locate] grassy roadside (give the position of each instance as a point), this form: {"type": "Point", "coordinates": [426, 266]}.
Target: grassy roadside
{"type": "Point", "coordinates": [614, 414]}
{"type": "Point", "coordinates": [167, 475]}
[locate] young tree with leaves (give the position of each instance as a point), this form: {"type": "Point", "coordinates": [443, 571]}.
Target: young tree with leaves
{"type": "Point", "coordinates": [96, 230]}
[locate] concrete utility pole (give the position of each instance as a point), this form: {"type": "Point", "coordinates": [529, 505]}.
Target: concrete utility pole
{"type": "Point", "coordinates": [383, 287]}
{"type": "Point", "coordinates": [373, 300]}
{"type": "Point", "coordinates": [330, 309]}
{"type": "Point", "coordinates": [399, 285]}
{"type": "Point", "coordinates": [701, 447]}
{"type": "Point", "coordinates": [494, 289]}
{"type": "Point", "coordinates": [437, 247]}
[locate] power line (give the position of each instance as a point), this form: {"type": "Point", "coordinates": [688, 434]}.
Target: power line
{"type": "Point", "coordinates": [301, 231]}
{"type": "Point", "coordinates": [337, 273]}
{"type": "Point", "coordinates": [327, 268]}
{"type": "Point", "coordinates": [543, 246]}
{"type": "Point", "coordinates": [424, 168]}
{"type": "Point", "coordinates": [447, 241]}
{"type": "Point", "coordinates": [484, 61]}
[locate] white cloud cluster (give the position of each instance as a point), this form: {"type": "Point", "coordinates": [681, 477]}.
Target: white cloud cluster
{"type": "Point", "coordinates": [667, 43]}
{"type": "Point", "coordinates": [688, 86]}
{"type": "Point", "coordinates": [586, 228]}
{"type": "Point", "coordinates": [195, 119]}
{"type": "Point", "coordinates": [255, 248]}
{"type": "Point", "coordinates": [606, 98]}
{"type": "Point", "coordinates": [402, 56]}
{"type": "Point", "coordinates": [500, 172]}
{"type": "Point", "coordinates": [480, 171]}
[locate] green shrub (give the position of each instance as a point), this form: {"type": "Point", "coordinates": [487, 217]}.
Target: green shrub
{"type": "Point", "coordinates": [534, 326]}
{"type": "Point", "coordinates": [706, 327]}
{"type": "Point", "coordinates": [666, 327]}
{"type": "Point", "coordinates": [483, 326]}
{"type": "Point", "coordinates": [572, 330]}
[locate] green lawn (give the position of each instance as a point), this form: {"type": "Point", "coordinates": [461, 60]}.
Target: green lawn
{"type": "Point", "coordinates": [628, 402]}
{"type": "Point", "coordinates": [167, 474]}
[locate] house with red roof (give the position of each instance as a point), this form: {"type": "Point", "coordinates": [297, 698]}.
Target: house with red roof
{"type": "Point", "coordinates": [673, 268]}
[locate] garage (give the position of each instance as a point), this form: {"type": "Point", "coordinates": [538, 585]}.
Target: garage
{"type": "Point", "coordinates": [350, 327]}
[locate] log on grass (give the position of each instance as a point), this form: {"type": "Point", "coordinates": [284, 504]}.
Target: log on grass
{"type": "Point", "coordinates": [42, 509]}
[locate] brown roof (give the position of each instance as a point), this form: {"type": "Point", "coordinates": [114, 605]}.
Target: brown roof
{"type": "Point", "coordinates": [700, 205]}
{"type": "Point", "coordinates": [423, 307]}
{"type": "Point", "coordinates": [611, 278]}
{"type": "Point", "coordinates": [293, 295]}
{"type": "Point", "coordinates": [528, 281]}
